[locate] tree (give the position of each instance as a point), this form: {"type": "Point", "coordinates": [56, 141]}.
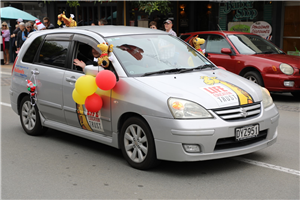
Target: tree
{"type": "Point", "coordinates": [148, 6]}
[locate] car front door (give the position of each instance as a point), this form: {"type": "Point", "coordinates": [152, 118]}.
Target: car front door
{"type": "Point", "coordinates": [76, 114]}
{"type": "Point", "coordinates": [213, 47]}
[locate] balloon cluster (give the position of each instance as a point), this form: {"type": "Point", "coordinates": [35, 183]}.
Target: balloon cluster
{"type": "Point", "coordinates": [86, 86]}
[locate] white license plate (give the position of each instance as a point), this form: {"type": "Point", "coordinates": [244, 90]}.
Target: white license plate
{"type": "Point", "coordinates": [246, 132]}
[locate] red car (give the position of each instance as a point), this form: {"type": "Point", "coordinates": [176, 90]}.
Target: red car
{"type": "Point", "coordinates": [252, 57]}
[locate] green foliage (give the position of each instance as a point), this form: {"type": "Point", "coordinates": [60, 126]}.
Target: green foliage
{"type": "Point", "coordinates": [148, 6]}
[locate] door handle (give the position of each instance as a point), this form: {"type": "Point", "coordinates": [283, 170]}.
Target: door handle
{"type": "Point", "coordinates": [71, 79]}
{"type": "Point", "coordinates": [35, 72]}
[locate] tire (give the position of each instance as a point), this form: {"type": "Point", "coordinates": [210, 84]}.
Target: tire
{"type": "Point", "coordinates": [30, 118]}
{"type": "Point", "coordinates": [137, 144]}
{"type": "Point", "coordinates": [296, 94]}
{"type": "Point", "coordinates": [254, 77]}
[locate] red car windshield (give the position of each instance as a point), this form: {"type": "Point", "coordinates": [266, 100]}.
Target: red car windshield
{"type": "Point", "coordinates": [252, 44]}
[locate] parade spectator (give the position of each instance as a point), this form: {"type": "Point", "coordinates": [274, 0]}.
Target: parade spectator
{"type": "Point", "coordinates": [102, 22]}
{"type": "Point", "coordinates": [5, 36]}
{"type": "Point", "coordinates": [47, 23]}
{"type": "Point", "coordinates": [14, 37]}
{"type": "Point", "coordinates": [168, 26]}
{"type": "Point", "coordinates": [29, 29]}
{"type": "Point", "coordinates": [93, 24]}
{"type": "Point", "coordinates": [19, 36]}
{"type": "Point", "coordinates": [153, 25]}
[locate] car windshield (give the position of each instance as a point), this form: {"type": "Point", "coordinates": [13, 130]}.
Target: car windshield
{"type": "Point", "coordinates": [253, 44]}
{"type": "Point", "coordinates": [142, 55]}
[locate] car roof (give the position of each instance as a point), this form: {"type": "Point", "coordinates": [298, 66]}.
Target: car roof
{"type": "Point", "coordinates": [224, 33]}
{"type": "Point", "coordinates": [109, 30]}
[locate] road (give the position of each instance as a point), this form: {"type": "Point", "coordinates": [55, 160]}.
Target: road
{"type": "Point", "coordinates": [61, 166]}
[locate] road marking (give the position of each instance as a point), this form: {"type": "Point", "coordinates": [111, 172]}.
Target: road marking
{"type": "Point", "coordinates": [266, 165]}
{"type": "Point", "coordinates": [6, 73]}
{"type": "Point", "coordinates": [5, 104]}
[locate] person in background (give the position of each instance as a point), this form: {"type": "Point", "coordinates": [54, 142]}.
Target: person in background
{"type": "Point", "coordinates": [28, 30]}
{"type": "Point", "coordinates": [47, 23]}
{"type": "Point", "coordinates": [153, 25]}
{"type": "Point", "coordinates": [19, 36]}
{"type": "Point", "coordinates": [93, 24]}
{"type": "Point", "coordinates": [168, 26]}
{"type": "Point", "coordinates": [102, 22]}
{"type": "Point", "coordinates": [5, 36]}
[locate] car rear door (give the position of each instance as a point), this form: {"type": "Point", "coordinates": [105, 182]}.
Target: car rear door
{"type": "Point", "coordinates": [76, 114]}
{"type": "Point", "coordinates": [213, 45]}
{"type": "Point", "coordinates": [49, 68]}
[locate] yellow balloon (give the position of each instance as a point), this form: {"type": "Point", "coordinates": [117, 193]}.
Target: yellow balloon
{"type": "Point", "coordinates": [86, 85]}
{"type": "Point", "coordinates": [77, 97]}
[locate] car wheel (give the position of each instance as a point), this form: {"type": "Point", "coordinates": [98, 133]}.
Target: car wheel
{"type": "Point", "coordinates": [30, 118]}
{"type": "Point", "coordinates": [137, 144]}
{"type": "Point", "coordinates": [254, 77]}
{"type": "Point", "coordinates": [296, 94]}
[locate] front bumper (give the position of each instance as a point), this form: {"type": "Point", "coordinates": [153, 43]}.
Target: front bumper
{"type": "Point", "coordinates": [171, 134]}
{"type": "Point", "coordinates": [275, 82]}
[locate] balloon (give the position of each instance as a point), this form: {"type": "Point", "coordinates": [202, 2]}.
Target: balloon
{"type": "Point", "coordinates": [93, 103]}
{"type": "Point", "coordinates": [77, 97]}
{"type": "Point", "coordinates": [86, 85]}
{"type": "Point", "coordinates": [106, 80]}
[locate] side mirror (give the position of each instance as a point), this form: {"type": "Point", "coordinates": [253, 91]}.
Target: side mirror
{"type": "Point", "coordinates": [221, 67]}
{"type": "Point", "coordinates": [226, 51]}
{"type": "Point", "coordinates": [206, 55]}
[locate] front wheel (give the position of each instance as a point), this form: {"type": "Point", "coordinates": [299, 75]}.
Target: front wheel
{"type": "Point", "coordinates": [30, 118]}
{"type": "Point", "coordinates": [255, 77]}
{"type": "Point", "coordinates": [137, 144]}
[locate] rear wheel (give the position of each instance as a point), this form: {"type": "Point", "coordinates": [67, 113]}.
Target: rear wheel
{"type": "Point", "coordinates": [254, 77]}
{"type": "Point", "coordinates": [137, 144]}
{"type": "Point", "coordinates": [30, 118]}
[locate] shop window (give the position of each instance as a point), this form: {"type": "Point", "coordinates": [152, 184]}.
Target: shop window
{"type": "Point", "coordinates": [215, 43]}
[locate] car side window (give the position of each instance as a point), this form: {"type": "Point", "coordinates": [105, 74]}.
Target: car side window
{"type": "Point", "coordinates": [215, 43]}
{"type": "Point", "coordinates": [31, 51]}
{"type": "Point", "coordinates": [54, 53]}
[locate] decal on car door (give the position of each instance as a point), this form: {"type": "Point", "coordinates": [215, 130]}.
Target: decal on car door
{"type": "Point", "coordinates": [89, 120]}
{"type": "Point", "coordinates": [226, 93]}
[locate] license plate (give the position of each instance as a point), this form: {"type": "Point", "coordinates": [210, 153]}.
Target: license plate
{"type": "Point", "coordinates": [246, 132]}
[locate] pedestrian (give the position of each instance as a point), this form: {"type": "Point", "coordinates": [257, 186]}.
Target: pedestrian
{"type": "Point", "coordinates": [153, 25]}
{"type": "Point", "coordinates": [5, 36]}
{"type": "Point", "coordinates": [19, 36]}
{"type": "Point", "coordinates": [47, 23]}
{"type": "Point", "coordinates": [168, 26]}
{"type": "Point", "coordinates": [92, 24]}
{"type": "Point", "coordinates": [29, 29]}
{"type": "Point", "coordinates": [102, 22]}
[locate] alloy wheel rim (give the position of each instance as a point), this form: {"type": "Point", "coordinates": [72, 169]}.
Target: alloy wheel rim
{"type": "Point", "coordinates": [136, 143]}
{"type": "Point", "coordinates": [252, 78]}
{"type": "Point", "coordinates": [28, 115]}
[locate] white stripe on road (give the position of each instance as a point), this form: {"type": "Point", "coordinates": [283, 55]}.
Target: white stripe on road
{"type": "Point", "coordinates": [270, 166]}
{"type": "Point", "coordinates": [6, 73]}
{"type": "Point", "coordinates": [5, 104]}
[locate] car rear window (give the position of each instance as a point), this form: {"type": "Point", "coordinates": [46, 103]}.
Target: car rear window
{"type": "Point", "coordinates": [31, 51]}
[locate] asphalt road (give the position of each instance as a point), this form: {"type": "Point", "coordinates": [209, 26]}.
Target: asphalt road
{"type": "Point", "coordinates": [61, 166]}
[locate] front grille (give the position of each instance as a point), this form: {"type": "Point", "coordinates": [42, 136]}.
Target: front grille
{"type": "Point", "coordinates": [239, 112]}
{"type": "Point", "coordinates": [227, 143]}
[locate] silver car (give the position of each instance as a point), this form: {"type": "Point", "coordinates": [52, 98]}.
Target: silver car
{"type": "Point", "coordinates": [169, 102]}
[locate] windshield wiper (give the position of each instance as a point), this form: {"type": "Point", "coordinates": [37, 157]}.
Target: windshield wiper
{"type": "Point", "coordinates": [163, 71]}
{"type": "Point", "coordinates": [199, 67]}
{"type": "Point", "coordinates": [266, 52]}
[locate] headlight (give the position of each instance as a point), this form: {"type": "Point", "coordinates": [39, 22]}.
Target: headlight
{"type": "Point", "coordinates": [286, 69]}
{"type": "Point", "coordinates": [183, 109]}
{"type": "Point", "coordinates": [267, 99]}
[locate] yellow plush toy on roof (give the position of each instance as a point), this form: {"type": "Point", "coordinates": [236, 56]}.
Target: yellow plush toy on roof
{"type": "Point", "coordinates": [69, 22]}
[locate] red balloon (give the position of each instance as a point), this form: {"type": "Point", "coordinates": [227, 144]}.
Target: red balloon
{"type": "Point", "coordinates": [93, 103]}
{"type": "Point", "coordinates": [106, 80]}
